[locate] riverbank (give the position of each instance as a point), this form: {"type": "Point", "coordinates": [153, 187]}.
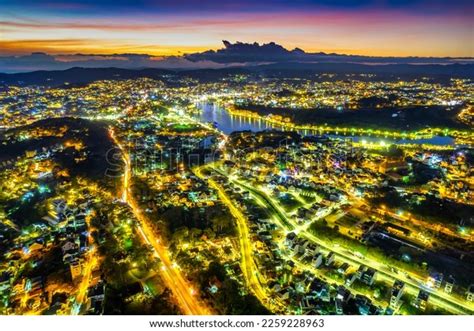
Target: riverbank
{"type": "Point", "coordinates": [230, 118]}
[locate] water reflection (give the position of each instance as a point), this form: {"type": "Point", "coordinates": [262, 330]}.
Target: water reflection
{"type": "Point", "coordinates": [228, 123]}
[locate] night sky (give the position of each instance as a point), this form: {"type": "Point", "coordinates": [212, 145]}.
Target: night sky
{"type": "Point", "coordinates": [171, 27]}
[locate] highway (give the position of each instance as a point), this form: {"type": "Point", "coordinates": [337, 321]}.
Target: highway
{"type": "Point", "coordinates": [182, 290]}
{"type": "Point", "coordinates": [437, 297]}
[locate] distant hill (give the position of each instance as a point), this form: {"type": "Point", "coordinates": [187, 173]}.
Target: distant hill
{"type": "Point", "coordinates": [77, 76]}
{"type": "Point", "coordinates": [435, 71]}
{"type": "Point", "coordinates": [288, 69]}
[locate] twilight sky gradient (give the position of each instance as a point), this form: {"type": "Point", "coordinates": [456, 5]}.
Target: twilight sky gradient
{"type": "Point", "coordinates": [172, 27]}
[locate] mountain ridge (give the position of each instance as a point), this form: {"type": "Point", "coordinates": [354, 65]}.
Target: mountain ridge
{"type": "Point", "coordinates": [79, 75]}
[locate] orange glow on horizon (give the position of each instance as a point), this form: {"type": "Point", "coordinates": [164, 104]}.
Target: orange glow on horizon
{"type": "Point", "coordinates": [372, 33]}
{"type": "Point", "coordinates": [71, 47]}
{"type": "Point", "coordinates": [63, 47]}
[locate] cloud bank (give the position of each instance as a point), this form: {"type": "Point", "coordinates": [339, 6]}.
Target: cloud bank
{"type": "Point", "coordinates": [42, 61]}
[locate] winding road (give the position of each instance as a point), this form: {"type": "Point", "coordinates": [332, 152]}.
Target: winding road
{"type": "Point", "coordinates": [182, 290]}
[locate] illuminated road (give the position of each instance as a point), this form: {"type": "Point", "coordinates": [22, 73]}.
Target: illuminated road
{"type": "Point", "coordinates": [248, 266]}
{"type": "Point", "coordinates": [90, 263]}
{"type": "Point", "coordinates": [183, 292]}
{"type": "Point", "coordinates": [87, 269]}
{"type": "Point", "coordinates": [412, 220]}
{"type": "Point", "coordinates": [320, 274]}
{"type": "Point", "coordinates": [413, 285]}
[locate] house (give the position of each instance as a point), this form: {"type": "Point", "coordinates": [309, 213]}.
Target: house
{"type": "Point", "coordinates": [317, 260]}
{"type": "Point", "coordinates": [343, 294]}
{"type": "Point", "coordinates": [34, 286]}
{"type": "Point", "coordinates": [470, 293]}
{"type": "Point", "coordinates": [290, 239]}
{"type": "Point", "coordinates": [448, 288]}
{"type": "Point", "coordinates": [275, 287]}
{"type": "Point", "coordinates": [52, 220]}
{"type": "Point", "coordinates": [421, 300]}
{"type": "Point", "coordinates": [299, 249]}
{"type": "Point", "coordinates": [68, 247]}
{"type": "Point", "coordinates": [319, 290]}
{"type": "Point", "coordinates": [343, 268]}
{"type": "Point", "coordinates": [369, 276]}
{"type": "Point", "coordinates": [350, 279]}
{"type": "Point", "coordinates": [360, 271]}
{"type": "Point", "coordinates": [75, 267]}
{"type": "Point", "coordinates": [19, 288]}
{"type": "Point", "coordinates": [97, 292]}
{"type": "Point", "coordinates": [364, 305]}
{"type": "Point", "coordinates": [59, 205]}
{"type": "Point", "coordinates": [396, 293]}
{"type": "Point", "coordinates": [312, 249]}
{"type": "Point", "coordinates": [339, 307]}
{"type": "Point", "coordinates": [330, 258]}
{"type": "Point", "coordinates": [435, 279]}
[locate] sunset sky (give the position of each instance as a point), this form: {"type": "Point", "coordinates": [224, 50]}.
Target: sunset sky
{"type": "Point", "coordinates": [173, 27]}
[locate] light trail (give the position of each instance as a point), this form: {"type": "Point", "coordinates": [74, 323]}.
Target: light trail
{"type": "Point", "coordinates": [173, 279]}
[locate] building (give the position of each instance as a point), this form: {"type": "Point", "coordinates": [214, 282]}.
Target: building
{"type": "Point", "coordinates": [470, 293]}
{"type": "Point", "coordinates": [369, 276]}
{"type": "Point", "coordinates": [330, 258]}
{"type": "Point", "coordinates": [317, 260]}
{"type": "Point", "coordinates": [75, 268]}
{"type": "Point", "coordinates": [351, 279]}
{"type": "Point", "coordinates": [362, 268]}
{"type": "Point", "coordinates": [421, 300]}
{"type": "Point", "coordinates": [338, 307]}
{"type": "Point", "coordinates": [435, 279]}
{"type": "Point", "coordinates": [290, 239]}
{"type": "Point", "coordinates": [95, 298]}
{"type": "Point", "coordinates": [396, 294]}
{"type": "Point", "coordinates": [320, 290]}
{"type": "Point", "coordinates": [343, 268]}
{"type": "Point", "coordinates": [448, 288]}
{"type": "Point", "coordinates": [343, 294]}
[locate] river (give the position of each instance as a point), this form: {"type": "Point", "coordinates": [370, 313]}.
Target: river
{"type": "Point", "coordinates": [227, 123]}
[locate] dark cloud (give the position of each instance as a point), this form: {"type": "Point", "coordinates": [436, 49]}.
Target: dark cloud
{"type": "Point", "coordinates": [42, 61]}
{"type": "Point", "coordinates": [233, 54]}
